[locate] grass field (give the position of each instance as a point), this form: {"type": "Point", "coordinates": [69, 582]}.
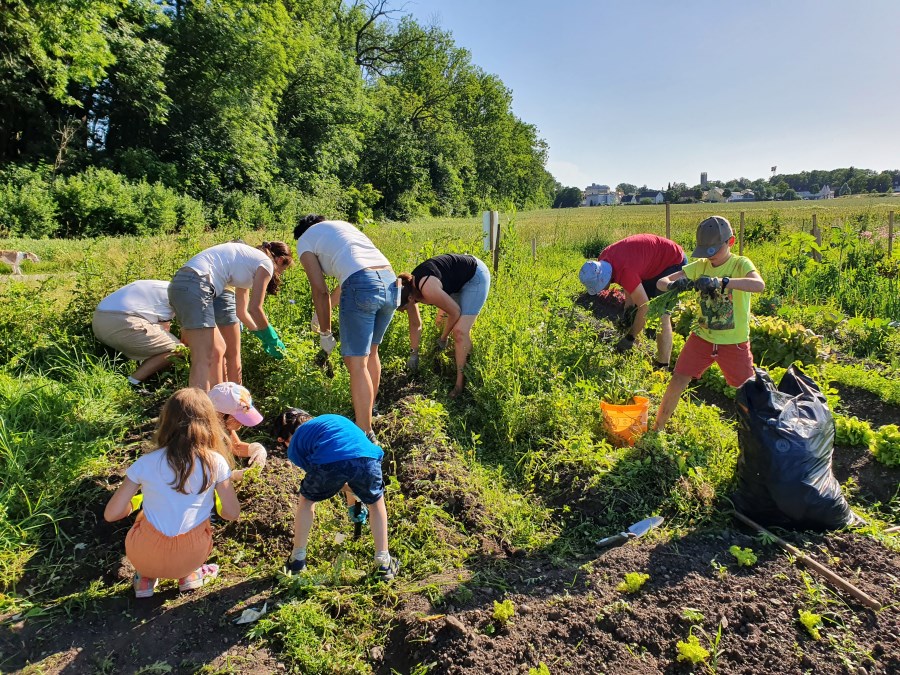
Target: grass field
{"type": "Point", "coordinates": [495, 497]}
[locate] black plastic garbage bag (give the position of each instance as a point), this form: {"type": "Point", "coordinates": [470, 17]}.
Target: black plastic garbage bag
{"type": "Point", "coordinates": [786, 436]}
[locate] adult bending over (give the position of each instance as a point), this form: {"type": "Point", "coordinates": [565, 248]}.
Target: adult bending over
{"type": "Point", "coordinates": [203, 279]}
{"type": "Point", "coordinates": [136, 320]}
{"type": "Point", "coordinates": [457, 285]}
{"type": "Point", "coordinates": [636, 263]}
{"type": "Point", "coordinates": [369, 297]}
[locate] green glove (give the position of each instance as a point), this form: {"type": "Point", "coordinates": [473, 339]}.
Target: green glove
{"type": "Point", "coordinates": [272, 344]}
{"type": "Point", "coordinates": [136, 501]}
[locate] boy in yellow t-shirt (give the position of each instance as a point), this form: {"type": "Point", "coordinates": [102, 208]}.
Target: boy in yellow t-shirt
{"type": "Point", "coordinates": [725, 282]}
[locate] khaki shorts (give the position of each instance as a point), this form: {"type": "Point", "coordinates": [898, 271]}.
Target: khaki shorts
{"type": "Point", "coordinates": [132, 335]}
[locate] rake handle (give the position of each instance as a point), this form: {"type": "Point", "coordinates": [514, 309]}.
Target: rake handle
{"type": "Point", "coordinates": [826, 572]}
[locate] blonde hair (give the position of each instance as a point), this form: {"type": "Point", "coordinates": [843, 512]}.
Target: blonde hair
{"type": "Point", "coordinates": [189, 429]}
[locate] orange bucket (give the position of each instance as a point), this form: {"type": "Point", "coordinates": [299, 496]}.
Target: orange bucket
{"type": "Point", "coordinates": [625, 423]}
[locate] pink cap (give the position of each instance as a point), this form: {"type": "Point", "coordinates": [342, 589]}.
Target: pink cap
{"type": "Point", "coordinates": [232, 399]}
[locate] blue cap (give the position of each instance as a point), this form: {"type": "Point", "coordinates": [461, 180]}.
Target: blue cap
{"type": "Point", "coordinates": [595, 275]}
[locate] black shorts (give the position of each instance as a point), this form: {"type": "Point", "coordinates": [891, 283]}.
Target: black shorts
{"type": "Point", "coordinates": [650, 284]}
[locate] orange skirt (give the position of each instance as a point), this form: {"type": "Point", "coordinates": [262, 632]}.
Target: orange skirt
{"type": "Point", "coordinates": [154, 555]}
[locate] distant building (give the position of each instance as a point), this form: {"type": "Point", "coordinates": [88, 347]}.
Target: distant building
{"type": "Point", "coordinates": [742, 196]}
{"type": "Point", "coordinates": [715, 194]}
{"type": "Point", "coordinates": [655, 196]}
{"type": "Point", "coordinates": [825, 193]}
{"type": "Point", "coordinates": [599, 195]}
{"type": "Point", "coordinates": [703, 180]}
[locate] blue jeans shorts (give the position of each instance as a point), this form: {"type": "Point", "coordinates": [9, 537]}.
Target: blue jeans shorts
{"type": "Point", "coordinates": [225, 308]}
{"type": "Point", "coordinates": [472, 296]}
{"type": "Point", "coordinates": [362, 474]}
{"type": "Point", "coordinates": [369, 299]}
{"type": "Point", "coordinates": [192, 297]}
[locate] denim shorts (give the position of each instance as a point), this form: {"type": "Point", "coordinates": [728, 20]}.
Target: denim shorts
{"type": "Point", "coordinates": [362, 474]}
{"type": "Point", "coordinates": [472, 296]}
{"type": "Point", "coordinates": [192, 297]}
{"type": "Point", "coordinates": [369, 299]}
{"type": "Point", "coordinates": [225, 308]}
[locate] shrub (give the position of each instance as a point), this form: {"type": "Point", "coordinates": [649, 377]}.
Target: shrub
{"type": "Point", "coordinates": [360, 202]}
{"type": "Point", "coordinates": [775, 342]}
{"type": "Point", "coordinates": [27, 207]}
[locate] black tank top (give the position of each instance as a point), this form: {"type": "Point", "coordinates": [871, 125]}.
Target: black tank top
{"type": "Point", "coordinates": [452, 269]}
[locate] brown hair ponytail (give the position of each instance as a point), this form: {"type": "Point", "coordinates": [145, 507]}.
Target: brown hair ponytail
{"type": "Point", "coordinates": [276, 250]}
{"type": "Point", "coordinates": [409, 290]}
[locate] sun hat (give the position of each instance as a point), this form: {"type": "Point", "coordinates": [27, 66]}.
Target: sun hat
{"type": "Point", "coordinates": [712, 234]}
{"type": "Point", "coordinates": [232, 399]}
{"type": "Point", "coordinates": [595, 275]}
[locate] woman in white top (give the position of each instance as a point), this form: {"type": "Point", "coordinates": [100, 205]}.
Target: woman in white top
{"type": "Point", "coordinates": [172, 538]}
{"type": "Point", "coordinates": [195, 287]}
{"type": "Point", "coordinates": [369, 297]}
{"type": "Point", "coordinates": [136, 320]}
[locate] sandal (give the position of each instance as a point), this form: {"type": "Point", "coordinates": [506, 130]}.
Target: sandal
{"type": "Point", "coordinates": [144, 586]}
{"type": "Point", "coordinates": [198, 578]}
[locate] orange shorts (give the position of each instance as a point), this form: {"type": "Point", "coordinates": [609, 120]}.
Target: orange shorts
{"type": "Point", "coordinates": [698, 354]}
{"type": "Point", "coordinates": [156, 556]}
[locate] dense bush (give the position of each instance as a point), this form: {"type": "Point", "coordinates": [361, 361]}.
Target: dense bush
{"type": "Point", "coordinates": [27, 208]}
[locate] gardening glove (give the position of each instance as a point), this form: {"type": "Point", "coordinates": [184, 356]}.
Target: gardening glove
{"type": "Point", "coordinates": [442, 344]}
{"type": "Point", "coordinates": [625, 344]}
{"type": "Point", "coordinates": [708, 286]}
{"type": "Point", "coordinates": [327, 342]}
{"type": "Point", "coordinates": [363, 516]}
{"type": "Point", "coordinates": [257, 455]}
{"type": "Point", "coordinates": [412, 363]}
{"type": "Point", "coordinates": [136, 501]}
{"type": "Point", "coordinates": [218, 504]}
{"type": "Point", "coordinates": [683, 284]}
{"type": "Point", "coordinates": [272, 344]}
{"type": "Point", "coordinates": [314, 322]}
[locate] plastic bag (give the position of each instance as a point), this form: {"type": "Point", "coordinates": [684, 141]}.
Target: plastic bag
{"type": "Point", "coordinates": [624, 423]}
{"type": "Point", "coordinates": [786, 436]}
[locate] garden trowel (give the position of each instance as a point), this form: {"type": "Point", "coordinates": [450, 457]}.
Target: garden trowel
{"type": "Point", "coordinates": [637, 530]}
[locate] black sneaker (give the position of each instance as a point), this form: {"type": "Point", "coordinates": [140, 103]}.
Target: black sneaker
{"type": "Point", "coordinates": [296, 566]}
{"type": "Point", "coordinates": [389, 571]}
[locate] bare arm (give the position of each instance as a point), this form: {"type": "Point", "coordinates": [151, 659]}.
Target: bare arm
{"type": "Point", "coordinates": [641, 301]}
{"type": "Point", "coordinates": [433, 293]}
{"type": "Point", "coordinates": [663, 283]}
{"type": "Point", "coordinates": [320, 296]}
{"type": "Point", "coordinates": [119, 505]}
{"type": "Point", "coordinates": [241, 300]}
{"type": "Point", "coordinates": [231, 508]}
{"type": "Point", "coordinates": [752, 283]}
{"type": "Point", "coordinates": [415, 325]}
{"type": "Point", "coordinates": [257, 296]}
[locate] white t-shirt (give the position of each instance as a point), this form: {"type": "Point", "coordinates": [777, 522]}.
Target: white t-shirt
{"type": "Point", "coordinates": [230, 264]}
{"type": "Point", "coordinates": [168, 510]}
{"type": "Point", "coordinates": [341, 249]}
{"type": "Point", "coordinates": [146, 298]}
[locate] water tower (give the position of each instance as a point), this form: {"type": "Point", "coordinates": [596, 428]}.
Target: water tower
{"type": "Point", "coordinates": [703, 179]}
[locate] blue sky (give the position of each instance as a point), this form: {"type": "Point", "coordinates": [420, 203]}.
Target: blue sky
{"type": "Point", "coordinates": [652, 92]}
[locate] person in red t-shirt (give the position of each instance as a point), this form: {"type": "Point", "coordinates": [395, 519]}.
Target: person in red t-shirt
{"type": "Point", "coordinates": [636, 263]}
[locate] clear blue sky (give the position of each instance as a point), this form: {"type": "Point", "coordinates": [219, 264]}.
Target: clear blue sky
{"type": "Point", "coordinates": [658, 91]}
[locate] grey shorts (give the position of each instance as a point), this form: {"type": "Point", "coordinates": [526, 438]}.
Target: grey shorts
{"type": "Point", "coordinates": [225, 308]}
{"type": "Point", "coordinates": [193, 299]}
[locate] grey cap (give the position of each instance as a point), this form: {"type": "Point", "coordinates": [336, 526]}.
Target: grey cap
{"type": "Point", "coordinates": [712, 234]}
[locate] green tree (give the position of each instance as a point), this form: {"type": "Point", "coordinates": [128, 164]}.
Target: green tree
{"type": "Point", "coordinates": [626, 188]}
{"type": "Point", "coordinates": [845, 190]}
{"type": "Point", "coordinates": [789, 195]}
{"type": "Point", "coordinates": [568, 198]}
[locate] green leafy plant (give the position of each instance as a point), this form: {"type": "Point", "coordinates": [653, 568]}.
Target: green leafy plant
{"type": "Point", "coordinates": [776, 342]}
{"type": "Point", "coordinates": [633, 582]}
{"type": "Point", "coordinates": [692, 615]}
{"type": "Point", "coordinates": [691, 650]}
{"type": "Point", "coordinates": [542, 669]}
{"type": "Point", "coordinates": [852, 431]}
{"type": "Point", "coordinates": [503, 611]}
{"type": "Point", "coordinates": [811, 622]}
{"type": "Point", "coordinates": [886, 445]}
{"type": "Point", "coordinates": [745, 556]}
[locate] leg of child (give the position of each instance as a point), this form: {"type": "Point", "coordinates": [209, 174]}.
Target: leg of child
{"type": "Point", "coordinates": [378, 523]}
{"type": "Point", "coordinates": [664, 340]}
{"type": "Point", "coordinates": [349, 496]}
{"type": "Point", "coordinates": [670, 399]}
{"type": "Point", "coordinates": [303, 520]}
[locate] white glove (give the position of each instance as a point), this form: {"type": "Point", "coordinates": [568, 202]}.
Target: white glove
{"type": "Point", "coordinates": [314, 322]}
{"type": "Point", "coordinates": [257, 455]}
{"type": "Point", "coordinates": [327, 341]}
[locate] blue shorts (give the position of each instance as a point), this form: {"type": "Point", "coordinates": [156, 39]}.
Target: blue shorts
{"type": "Point", "coordinates": [225, 309]}
{"type": "Point", "coordinates": [192, 297]}
{"type": "Point", "coordinates": [369, 299]}
{"type": "Point", "coordinates": [363, 475]}
{"type": "Point", "coordinates": [650, 284]}
{"type": "Point", "coordinates": [472, 296]}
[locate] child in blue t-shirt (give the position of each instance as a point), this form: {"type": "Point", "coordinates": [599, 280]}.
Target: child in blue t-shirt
{"type": "Point", "coordinates": [336, 455]}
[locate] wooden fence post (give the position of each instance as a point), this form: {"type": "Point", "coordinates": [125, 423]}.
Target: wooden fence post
{"type": "Point", "coordinates": [817, 233]}
{"type": "Point", "coordinates": [741, 239]}
{"type": "Point", "coordinates": [890, 233]}
{"type": "Point", "coordinates": [668, 223]}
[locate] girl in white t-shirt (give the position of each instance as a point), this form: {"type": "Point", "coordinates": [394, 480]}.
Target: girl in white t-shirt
{"type": "Point", "coordinates": [172, 537]}
{"type": "Point", "coordinates": [252, 272]}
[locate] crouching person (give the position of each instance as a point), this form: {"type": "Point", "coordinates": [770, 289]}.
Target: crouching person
{"type": "Point", "coordinates": [336, 455]}
{"type": "Point", "coordinates": [171, 537]}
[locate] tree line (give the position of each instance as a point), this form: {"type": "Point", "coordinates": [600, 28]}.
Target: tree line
{"type": "Point", "coordinates": [223, 109]}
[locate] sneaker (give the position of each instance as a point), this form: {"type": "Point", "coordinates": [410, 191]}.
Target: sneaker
{"type": "Point", "coordinates": [198, 578]}
{"type": "Point", "coordinates": [139, 389]}
{"type": "Point", "coordinates": [144, 586]}
{"type": "Point", "coordinates": [389, 571]}
{"type": "Point", "coordinates": [374, 439]}
{"type": "Point", "coordinates": [296, 566]}
{"type": "Point", "coordinates": [376, 411]}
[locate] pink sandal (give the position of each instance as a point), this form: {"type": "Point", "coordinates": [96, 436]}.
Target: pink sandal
{"type": "Point", "coordinates": [198, 578]}
{"type": "Point", "coordinates": [144, 586]}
